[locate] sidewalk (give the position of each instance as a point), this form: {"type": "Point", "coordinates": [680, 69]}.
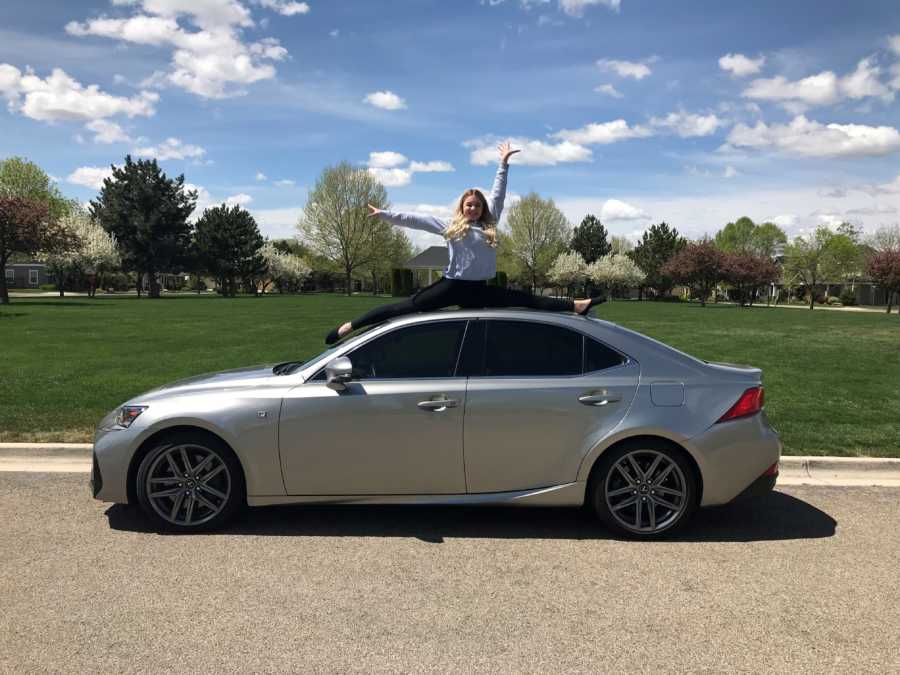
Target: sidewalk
{"type": "Point", "coordinates": [793, 470]}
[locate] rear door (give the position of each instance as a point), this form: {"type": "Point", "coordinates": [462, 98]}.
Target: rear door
{"type": "Point", "coordinates": [539, 399]}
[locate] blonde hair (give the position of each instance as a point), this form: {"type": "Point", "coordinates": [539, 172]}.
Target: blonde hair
{"type": "Point", "coordinates": [459, 226]}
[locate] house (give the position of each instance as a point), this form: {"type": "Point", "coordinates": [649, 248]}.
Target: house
{"type": "Point", "coordinates": [433, 259]}
{"type": "Point", "coordinates": [28, 275]}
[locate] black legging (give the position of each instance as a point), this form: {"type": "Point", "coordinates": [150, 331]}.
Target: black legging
{"type": "Point", "coordinates": [467, 294]}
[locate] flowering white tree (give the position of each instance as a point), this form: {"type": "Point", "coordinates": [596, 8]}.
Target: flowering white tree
{"type": "Point", "coordinates": [616, 271]}
{"type": "Point", "coordinates": [569, 269]}
{"type": "Point", "coordinates": [286, 271]}
{"type": "Point", "coordinates": [94, 251]}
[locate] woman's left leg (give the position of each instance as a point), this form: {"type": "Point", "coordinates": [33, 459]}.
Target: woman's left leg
{"type": "Point", "coordinates": [496, 296]}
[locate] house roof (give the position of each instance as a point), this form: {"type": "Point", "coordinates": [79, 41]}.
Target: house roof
{"type": "Point", "coordinates": [433, 257]}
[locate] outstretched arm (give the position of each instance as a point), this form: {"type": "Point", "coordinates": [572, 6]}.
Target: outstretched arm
{"type": "Point", "coordinates": [414, 221]}
{"type": "Point", "coordinates": [498, 192]}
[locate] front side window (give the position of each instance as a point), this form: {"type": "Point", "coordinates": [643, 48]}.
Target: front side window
{"type": "Point", "coordinates": [526, 349]}
{"type": "Point", "coordinates": [423, 351]}
{"type": "Point", "coordinates": [10, 276]}
{"type": "Point", "coordinates": [33, 277]}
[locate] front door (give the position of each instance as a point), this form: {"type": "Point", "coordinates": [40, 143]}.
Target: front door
{"type": "Point", "coordinates": [396, 429]}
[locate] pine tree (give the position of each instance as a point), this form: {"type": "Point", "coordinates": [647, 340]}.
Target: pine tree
{"type": "Point", "coordinates": [229, 247]}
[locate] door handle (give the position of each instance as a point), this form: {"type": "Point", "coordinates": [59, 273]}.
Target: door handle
{"type": "Point", "coordinates": [599, 399]}
{"type": "Point", "coordinates": [438, 405]}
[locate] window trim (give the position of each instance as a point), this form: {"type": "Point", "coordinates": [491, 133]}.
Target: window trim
{"type": "Point", "coordinates": [348, 354]}
{"type": "Point", "coordinates": [10, 274]}
{"type": "Point", "coordinates": [37, 278]}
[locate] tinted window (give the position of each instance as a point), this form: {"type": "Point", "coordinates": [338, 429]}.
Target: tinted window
{"type": "Point", "coordinates": [531, 349]}
{"type": "Point", "coordinates": [429, 350]}
{"type": "Point", "coordinates": [599, 357]}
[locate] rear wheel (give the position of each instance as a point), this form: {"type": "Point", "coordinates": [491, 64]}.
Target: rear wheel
{"type": "Point", "coordinates": [644, 490]}
{"type": "Point", "coordinates": [191, 482]}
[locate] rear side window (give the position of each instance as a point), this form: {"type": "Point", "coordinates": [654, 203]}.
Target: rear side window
{"type": "Point", "coordinates": [526, 349]}
{"type": "Point", "coordinates": [600, 357]}
{"type": "Point", "coordinates": [427, 350]}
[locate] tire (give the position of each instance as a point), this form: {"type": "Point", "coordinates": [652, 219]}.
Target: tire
{"type": "Point", "coordinates": [644, 489]}
{"type": "Point", "coordinates": [190, 482]}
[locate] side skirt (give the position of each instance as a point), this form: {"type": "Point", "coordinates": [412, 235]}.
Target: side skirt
{"type": "Point", "coordinates": [570, 494]}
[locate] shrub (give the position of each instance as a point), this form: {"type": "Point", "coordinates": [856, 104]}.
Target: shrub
{"type": "Point", "coordinates": [401, 282]}
{"type": "Point", "coordinates": [848, 297]}
{"type": "Point", "coordinates": [501, 280]}
{"type": "Point", "coordinates": [832, 300]}
{"type": "Point", "coordinates": [47, 287]}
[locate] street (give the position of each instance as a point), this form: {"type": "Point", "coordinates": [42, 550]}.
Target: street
{"type": "Point", "coordinates": [804, 580]}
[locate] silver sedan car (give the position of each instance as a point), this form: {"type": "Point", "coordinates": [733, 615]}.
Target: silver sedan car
{"type": "Point", "coordinates": [453, 407]}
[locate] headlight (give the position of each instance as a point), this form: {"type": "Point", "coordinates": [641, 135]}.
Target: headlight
{"type": "Point", "coordinates": [128, 414]}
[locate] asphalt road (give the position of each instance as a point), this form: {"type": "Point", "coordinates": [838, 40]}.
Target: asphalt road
{"type": "Point", "coordinates": [805, 580]}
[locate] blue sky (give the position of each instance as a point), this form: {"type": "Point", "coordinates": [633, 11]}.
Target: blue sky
{"type": "Point", "coordinates": [691, 112]}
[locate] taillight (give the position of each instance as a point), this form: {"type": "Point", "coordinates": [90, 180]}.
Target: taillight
{"type": "Point", "coordinates": [750, 403]}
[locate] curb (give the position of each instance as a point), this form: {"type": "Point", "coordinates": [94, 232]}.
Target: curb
{"type": "Point", "coordinates": [793, 469]}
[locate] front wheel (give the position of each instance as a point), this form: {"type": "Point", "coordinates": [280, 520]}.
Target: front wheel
{"type": "Point", "coordinates": [190, 483]}
{"type": "Point", "coordinates": [644, 490]}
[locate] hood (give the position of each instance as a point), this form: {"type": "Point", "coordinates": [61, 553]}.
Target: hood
{"type": "Point", "coordinates": [226, 379]}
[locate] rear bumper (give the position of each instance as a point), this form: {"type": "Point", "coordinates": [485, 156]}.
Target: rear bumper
{"type": "Point", "coordinates": [734, 455]}
{"type": "Point", "coordinates": [759, 488]}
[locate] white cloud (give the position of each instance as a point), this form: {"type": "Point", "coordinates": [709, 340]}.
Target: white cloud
{"type": "Point", "coordinates": [534, 152]}
{"type": "Point", "coordinates": [238, 199]}
{"type": "Point", "coordinates": [729, 172]}
{"type": "Point", "coordinates": [877, 210]}
{"type": "Point", "coordinates": [688, 125]}
{"type": "Point", "coordinates": [208, 62]}
{"type": "Point", "coordinates": [60, 97]}
{"type": "Point", "coordinates": [89, 176]}
{"type": "Point", "coordinates": [204, 199]}
{"type": "Point", "coordinates": [171, 148]}
{"type": "Point", "coordinates": [784, 220]}
{"type": "Point", "coordinates": [826, 88]}
{"type": "Point", "coordinates": [638, 71]}
{"type": "Point", "coordinates": [386, 160]}
{"type": "Point", "coordinates": [894, 44]}
{"type": "Point", "coordinates": [576, 7]}
{"type": "Point", "coordinates": [285, 7]}
{"type": "Point", "coordinates": [603, 134]}
{"type": "Point", "coordinates": [391, 177]}
{"type": "Point", "coordinates": [609, 90]}
{"type": "Point", "coordinates": [740, 66]}
{"type": "Point", "coordinates": [613, 209]}
{"type": "Point", "coordinates": [260, 176]}
{"type": "Point", "coordinates": [387, 100]}
{"type": "Point", "coordinates": [334, 33]}
{"type": "Point", "coordinates": [431, 167]}
{"type": "Point", "coordinates": [285, 183]}
{"type": "Point", "coordinates": [107, 132]}
{"type": "Point", "coordinates": [835, 192]}
{"type": "Point", "coordinates": [807, 138]}
{"type": "Point", "coordinates": [891, 188]}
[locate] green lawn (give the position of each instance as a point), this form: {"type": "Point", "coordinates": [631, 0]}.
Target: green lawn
{"type": "Point", "coordinates": [831, 377]}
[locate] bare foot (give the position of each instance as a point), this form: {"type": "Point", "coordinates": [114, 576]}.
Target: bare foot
{"type": "Point", "coordinates": [344, 329]}
{"type": "Point", "coordinates": [581, 305]}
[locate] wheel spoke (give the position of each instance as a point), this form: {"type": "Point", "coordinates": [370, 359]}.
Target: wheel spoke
{"type": "Point", "coordinates": [637, 514]}
{"type": "Point", "coordinates": [190, 509]}
{"type": "Point", "coordinates": [663, 502]}
{"type": "Point", "coordinates": [165, 493]}
{"type": "Point", "coordinates": [625, 503]}
{"type": "Point", "coordinates": [202, 465]}
{"type": "Point", "coordinates": [176, 507]}
{"type": "Point", "coordinates": [651, 510]}
{"type": "Point", "coordinates": [662, 476]}
{"type": "Point", "coordinates": [172, 464]}
{"type": "Point", "coordinates": [653, 466]}
{"type": "Point", "coordinates": [624, 473]}
{"type": "Point", "coordinates": [166, 480]}
{"type": "Point", "coordinates": [208, 504]}
{"type": "Point", "coordinates": [634, 465]}
{"type": "Point", "coordinates": [209, 488]}
{"type": "Point", "coordinates": [184, 458]}
{"type": "Point", "coordinates": [668, 491]}
{"type": "Point", "coordinates": [620, 491]}
{"type": "Point", "coordinates": [204, 479]}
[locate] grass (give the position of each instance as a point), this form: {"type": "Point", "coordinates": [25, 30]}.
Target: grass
{"type": "Point", "coordinates": [831, 377]}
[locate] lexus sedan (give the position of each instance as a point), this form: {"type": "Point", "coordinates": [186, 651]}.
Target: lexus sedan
{"type": "Point", "coordinates": [453, 407]}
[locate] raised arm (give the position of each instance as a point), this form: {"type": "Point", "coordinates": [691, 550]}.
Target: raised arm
{"type": "Point", "coordinates": [414, 221]}
{"type": "Point", "coordinates": [498, 192]}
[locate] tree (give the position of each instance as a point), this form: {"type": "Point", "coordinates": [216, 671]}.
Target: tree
{"type": "Point", "coordinates": [148, 214]}
{"type": "Point", "coordinates": [569, 269]}
{"type": "Point", "coordinates": [884, 267]}
{"type": "Point", "coordinates": [392, 249]}
{"type": "Point", "coordinates": [736, 237]}
{"type": "Point", "coordinates": [656, 247]}
{"type": "Point", "coordinates": [286, 270]}
{"type": "Point", "coordinates": [699, 265]}
{"type": "Point", "coordinates": [616, 272]}
{"type": "Point", "coordinates": [886, 238]}
{"type": "Point", "coordinates": [620, 245]}
{"type": "Point", "coordinates": [766, 239]}
{"type": "Point", "coordinates": [807, 258]}
{"type": "Point", "coordinates": [747, 272]}
{"type": "Point", "coordinates": [291, 246]}
{"type": "Point", "coordinates": [21, 178]}
{"type": "Point", "coordinates": [538, 233]}
{"type": "Point", "coordinates": [589, 239]}
{"type": "Point", "coordinates": [92, 251]}
{"type": "Point", "coordinates": [335, 222]}
{"type": "Point", "coordinates": [228, 245]}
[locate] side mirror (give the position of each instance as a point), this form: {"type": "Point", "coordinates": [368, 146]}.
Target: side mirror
{"type": "Point", "coordinates": [338, 373]}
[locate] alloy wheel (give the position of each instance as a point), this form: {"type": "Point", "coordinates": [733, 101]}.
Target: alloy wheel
{"type": "Point", "coordinates": [646, 491]}
{"type": "Point", "coordinates": [188, 485]}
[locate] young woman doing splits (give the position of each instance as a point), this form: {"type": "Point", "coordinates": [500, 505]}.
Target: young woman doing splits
{"type": "Point", "coordinates": [472, 242]}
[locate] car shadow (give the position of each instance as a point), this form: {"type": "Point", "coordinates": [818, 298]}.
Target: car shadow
{"type": "Point", "coordinates": [776, 516]}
